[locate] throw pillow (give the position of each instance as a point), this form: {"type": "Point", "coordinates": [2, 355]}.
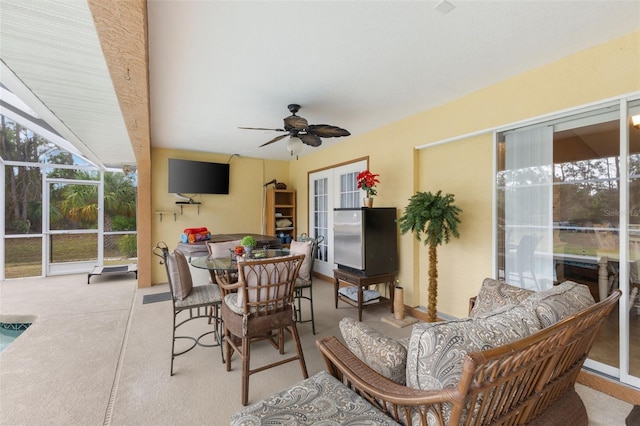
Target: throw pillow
{"type": "Point", "coordinates": [495, 294]}
{"type": "Point", "coordinates": [283, 223]}
{"type": "Point", "coordinates": [437, 350]}
{"type": "Point", "coordinates": [385, 355]}
{"type": "Point", "coordinates": [559, 302]}
{"type": "Point", "coordinates": [179, 275]}
{"type": "Point", "coordinates": [222, 249]}
{"type": "Point", "coordinates": [303, 247]}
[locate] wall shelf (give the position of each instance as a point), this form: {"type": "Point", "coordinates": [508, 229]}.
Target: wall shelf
{"type": "Point", "coordinates": [182, 204]}
{"type": "Point", "coordinates": [174, 214]}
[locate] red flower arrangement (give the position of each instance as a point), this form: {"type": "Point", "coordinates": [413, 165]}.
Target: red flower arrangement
{"type": "Point", "coordinates": [367, 182]}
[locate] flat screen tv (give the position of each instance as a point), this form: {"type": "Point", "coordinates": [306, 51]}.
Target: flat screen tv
{"type": "Point", "coordinates": [198, 177]}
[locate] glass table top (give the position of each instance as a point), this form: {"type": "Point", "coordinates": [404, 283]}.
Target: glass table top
{"type": "Point", "coordinates": [229, 263]}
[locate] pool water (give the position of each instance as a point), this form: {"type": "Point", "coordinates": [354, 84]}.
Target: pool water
{"type": "Point", "coordinates": [10, 332]}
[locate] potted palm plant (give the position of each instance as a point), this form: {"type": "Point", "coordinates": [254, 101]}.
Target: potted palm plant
{"type": "Point", "coordinates": [436, 217]}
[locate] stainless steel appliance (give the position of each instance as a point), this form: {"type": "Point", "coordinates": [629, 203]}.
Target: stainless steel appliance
{"type": "Point", "coordinates": [366, 240]}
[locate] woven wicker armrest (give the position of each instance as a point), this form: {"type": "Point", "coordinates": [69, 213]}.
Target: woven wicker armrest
{"type": "Point", "coordinates": [229, 287]}
{"type": "Point", "coordinates": [395, 400]}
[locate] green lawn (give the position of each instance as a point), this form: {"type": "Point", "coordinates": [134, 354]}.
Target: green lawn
{"type": "Point", "coordinates": [23, 256]}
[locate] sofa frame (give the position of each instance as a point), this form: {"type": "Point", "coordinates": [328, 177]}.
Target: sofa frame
{"type": "Point", "coordinates": [529, 381]}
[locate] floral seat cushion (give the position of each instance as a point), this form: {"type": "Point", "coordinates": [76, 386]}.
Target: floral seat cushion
{"type": "Point", "coordinates": [320, 399]}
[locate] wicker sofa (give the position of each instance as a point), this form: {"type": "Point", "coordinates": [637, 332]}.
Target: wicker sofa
{"type": "Point", "coordinates": [514, 360]}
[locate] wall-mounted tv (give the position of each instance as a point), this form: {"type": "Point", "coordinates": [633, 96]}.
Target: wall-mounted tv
{"type": "Point", "coordinates": [198, 177]}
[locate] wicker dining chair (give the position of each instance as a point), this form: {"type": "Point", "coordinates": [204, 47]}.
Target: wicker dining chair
{"type": "Point", "coordinates": [261, 305]}
{"type": "Point", "coordinates": [190, 302]}
{"type": "Point", "coordinates": [309, 247]}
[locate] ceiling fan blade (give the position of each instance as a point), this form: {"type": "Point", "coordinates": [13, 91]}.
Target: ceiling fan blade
{"type": "Point", "coordinates": [327, 131]}
{"type": "Point", "coordinates": [276, 139]}
{"type": "Point", "coordinates": [309, 139]}
{"type": "Point", "coordinates": [295, 122]}
{"type": "Point", "coordinates": [262, 128]}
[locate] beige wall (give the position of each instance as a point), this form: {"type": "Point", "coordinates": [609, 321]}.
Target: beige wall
{"type": "Point", "coordinates": [238, 212]}
{"type": "Point", "coordinates": [463, 168]}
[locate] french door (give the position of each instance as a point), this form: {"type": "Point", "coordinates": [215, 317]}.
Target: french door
{"type": "Point", "coordinates": [330, 189]}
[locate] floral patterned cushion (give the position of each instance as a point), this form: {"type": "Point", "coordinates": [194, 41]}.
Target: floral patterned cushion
{"type": "Point", "coordinates": [319, 400]}
{"type": "Point", "coordinates": [494, 294]}
{"type": "Point", "coordinates": [385, 355]}
{"type": "Point", "coordinates": [559, 302]}
{"type": "Point", "coordinates": [437, 350]}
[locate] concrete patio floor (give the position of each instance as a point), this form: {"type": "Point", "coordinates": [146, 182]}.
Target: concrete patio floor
{"type": "Point", "coordinates": [95, 355]}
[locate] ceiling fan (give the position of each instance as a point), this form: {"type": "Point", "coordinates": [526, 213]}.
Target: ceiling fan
{"type": "Point", "coordinates": [309, 134]}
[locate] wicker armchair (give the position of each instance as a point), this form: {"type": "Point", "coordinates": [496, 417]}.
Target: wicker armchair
{"type": "Point", "coordinates": [530, 381]}
{"type": "Point", "coordinates": [519, 380]}
{"type": "Point", "coordinates": [260, 303]}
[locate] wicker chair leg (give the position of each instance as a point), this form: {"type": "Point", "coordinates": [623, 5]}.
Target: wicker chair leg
{"type": "Point", "coordinates": [281, 341]}
{"type": "Point", "coordinates": [246, 354]}
{"type": "Point", "coordinates": [296, 338]}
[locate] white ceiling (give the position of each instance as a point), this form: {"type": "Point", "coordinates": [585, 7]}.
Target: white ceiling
{"type": "Point", "coordinates": [51, 58]}
{"type": "Point", "coordinates": [360, 65]}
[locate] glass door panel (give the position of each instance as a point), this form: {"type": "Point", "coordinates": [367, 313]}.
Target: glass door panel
{"type": "Point", "coordinates": [72, 227]}
{"type": "Point", "coordinates": [577, 224]}
{"type": "Point", "coordinates": [329, 189]}
{"type": "Point", "coordinates": [634, 244]}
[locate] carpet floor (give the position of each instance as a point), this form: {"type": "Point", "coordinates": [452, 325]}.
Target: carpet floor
{"type": "Point", "coordinates": [97, 355]}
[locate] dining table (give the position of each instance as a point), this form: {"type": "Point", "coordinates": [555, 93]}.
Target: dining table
{"type": "Point", "coordinates": [222, 269]}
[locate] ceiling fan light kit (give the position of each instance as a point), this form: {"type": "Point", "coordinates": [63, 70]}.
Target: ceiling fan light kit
{"type": "Point", "coordinates": [301, 132]}
{"type": "Point", "coordinates": [294, 146]}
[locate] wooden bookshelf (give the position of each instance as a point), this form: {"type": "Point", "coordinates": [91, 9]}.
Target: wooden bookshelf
{"type": "Point", "coordinates": [280, 206]}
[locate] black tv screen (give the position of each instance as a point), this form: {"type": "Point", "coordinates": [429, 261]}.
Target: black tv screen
{"type": "Point", "coordinates": [198, 177]}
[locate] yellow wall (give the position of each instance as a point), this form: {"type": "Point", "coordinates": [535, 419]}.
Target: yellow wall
{"type": "Point", "coordinates": [464, 168]}
{"type": "Point", "coordinates": [239, 212]}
